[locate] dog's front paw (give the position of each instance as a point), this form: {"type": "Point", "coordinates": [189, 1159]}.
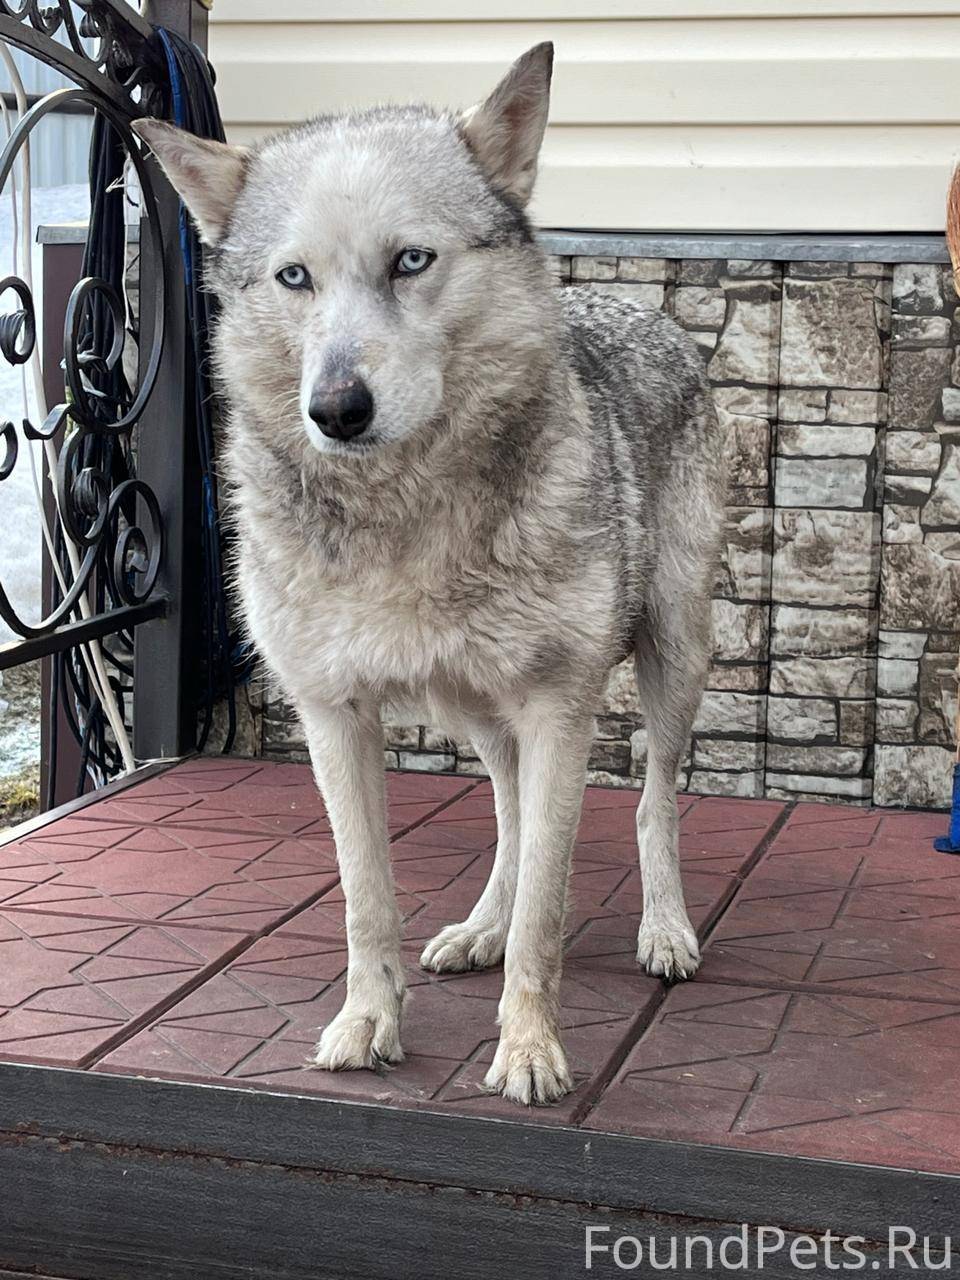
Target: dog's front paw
{"type": "Point", "coordinates": [668, 948]}
{"type": "Point", "coordinates": [358, 1038]}
{"type": "Point", "coordinates": [530, 1069]}
{"type": "Point", "coordinates": [464, 946]}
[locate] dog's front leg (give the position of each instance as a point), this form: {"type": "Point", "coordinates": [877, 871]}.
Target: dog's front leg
{"type": "Point", "coordinates": [346, 748]}
{"type": "Point", "coordinates": [554, 743]}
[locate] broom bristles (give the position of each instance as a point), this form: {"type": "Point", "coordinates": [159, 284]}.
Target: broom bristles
{"type": "Point", "coordinates": [953, 224]}
{"type": "Point", "coordinates": [953, 245]}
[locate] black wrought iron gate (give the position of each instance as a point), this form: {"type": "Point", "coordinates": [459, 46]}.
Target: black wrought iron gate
{"type": "Point", "coordinates": [115, 440]}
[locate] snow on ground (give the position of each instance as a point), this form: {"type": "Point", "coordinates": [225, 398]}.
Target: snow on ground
{"type": "Point", "coordinates": [20, 534]}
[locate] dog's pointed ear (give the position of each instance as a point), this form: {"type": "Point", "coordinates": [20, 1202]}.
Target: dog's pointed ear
{"type": "Point", "coordinates": [207, 175]}
{"type": "Point", "coordinates": [505, 131]}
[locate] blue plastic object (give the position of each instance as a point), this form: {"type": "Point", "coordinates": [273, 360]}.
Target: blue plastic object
{"type": "Point", "coordinates": [950, 843]}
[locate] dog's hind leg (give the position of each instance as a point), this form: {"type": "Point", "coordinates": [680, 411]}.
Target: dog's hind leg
{"type": "Point", "coordinates": [479, 941]}
{"type": "Point", "coordinates": [672, 659]}
{"type": "Point", "coordinates": [346, 748]}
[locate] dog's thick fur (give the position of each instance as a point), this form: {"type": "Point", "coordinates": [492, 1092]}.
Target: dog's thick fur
{"type": "Point", "coordinates": [538, 496]}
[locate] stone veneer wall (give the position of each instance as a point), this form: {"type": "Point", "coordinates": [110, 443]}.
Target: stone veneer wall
{"type": "Point", "coordinates": [836, 609]}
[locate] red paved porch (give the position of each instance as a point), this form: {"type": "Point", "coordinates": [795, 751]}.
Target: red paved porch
{"type": "Point", "coordinates": [191, 927]}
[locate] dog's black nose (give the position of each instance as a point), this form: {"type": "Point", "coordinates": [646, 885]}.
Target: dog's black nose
{"type": "Point", "coordinates": [342, 409]}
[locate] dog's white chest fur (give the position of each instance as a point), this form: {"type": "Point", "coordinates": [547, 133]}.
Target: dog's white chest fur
{"type": "Point", "coordinates": [418, 635]}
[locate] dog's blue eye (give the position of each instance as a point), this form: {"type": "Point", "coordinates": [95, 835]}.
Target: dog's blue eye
{"type": "Point", "coordinates": [295, 276]}
{"type": "Point", "coordinates": [412, 261]}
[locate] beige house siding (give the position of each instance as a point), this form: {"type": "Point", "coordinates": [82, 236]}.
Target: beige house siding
{"type": "Point", "coordinates": [682, 116]}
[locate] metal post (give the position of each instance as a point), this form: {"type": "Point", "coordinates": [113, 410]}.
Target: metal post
{"type": "Point", "coordinates": [61, 265]}
{"type": "Point", "coordinates": [165, 661]}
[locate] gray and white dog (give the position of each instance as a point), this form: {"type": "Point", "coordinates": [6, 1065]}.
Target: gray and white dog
{"type": "Point", "coordinates": [459, 488]}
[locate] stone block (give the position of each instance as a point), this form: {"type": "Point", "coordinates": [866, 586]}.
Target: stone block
{"type": "Point", "coordinates": [739, 630]}
{"type": "Point", "coordinates": [814, 785]}
{"type": "Point", "coordinates": [901, 644]}
{"type": "Point", "coordinates": [475, 768]}
{"type": "Point", "coordinates": [747, 402]}
{"type": "Point", "coordinates": [747, 449]}
{"type": "Point", "coordinates": [435, 740]}
{"type": "Point", "coordinates": [896, 720]}
{"type": "Point", "coordinates": [897, 677]}
{"type": "Point", "coordinates": [638, 752]}
{"type": "Point", "coordinates": [701, 270]}
{"type": "Point", "coordinates": [749, 346]}
{"type": "Point", "coordinates": [801, 719]}
{"type": "Point", "coordinates": [823, 677]}
{"type": "Point", "coordinates": [614, 727]}
{"type": "Point", "coordinates": [921, 331]}
{"type": "Point", "coordinates": [756, 267]}
{"type": "Point", "coordinates": [612, 756]}
{"type": "Point", "coordinates": [728, 753]}
{"type": "Point", "coordinates": [907, 491]}
{"type": "Point", "coordinates": [745, 677]}
{"type": "Point", "coordinates": [920, 590]}
{"type": "Point", "coordinates": [920, 776]}
{"type": "Point", "coordinates": [830, 482]}
{"type": "Point", "coordinates": [824, 557]}
{"type": "Point", "coordinates": [710, 783]}
{"type": "Point", "coordinates": [829, 334]}
{"type": "Point", "coordinates": [901, 524]}
{"type": "Point", "coordinates": [745, 571]}
{"type": "Point", "coordinates": [843, 761]}
{"type": "Point", "coordinates": [916, 289]}
{"type": "Point", "coordinates": [559, 267]}
{"type": "Point", "coordinates": [950, 402]}
{"type": "Point", "coordinates": [401, 735]}
{"type": "Point", "coordinates": [917, 379]}
{"type": "Point", "coordinates": [731, 713]}
{"type": "Point", "coordinates": [588, 268]}
{"type": "Point", "coordinates": [821, 633]}
{"type": "Point", "coordinates": [938, 698]}
{"type": "Point", "coordinates": [647, 270]}
{"type": "Point", "coordinates": [817, 270]}
{"type": "Point", "coordinates": [427, 761]}
{"type": "Point", "coordinates": [944, 544]}
{"type": "Point", "coordinates": [908, 451]}
{"type": "Point", "coordinates": [601, 778]}
{"type": "Point", "coordinates": [621, 697]}
{"type": "Point", "coordinates": [706, 341]}
{"type": "Point", "coordinates": [857, 407]}
{"type": "Point", "coordinates": [942, 508]}
{"type": "Point", "coordinates": [700, 307]}
{"type": "Point", "coordinates": [802, 440]}
{"type": "Point", "coordinates": [804, 405]}
{"type": "Point", "coordinates": [856, 722]}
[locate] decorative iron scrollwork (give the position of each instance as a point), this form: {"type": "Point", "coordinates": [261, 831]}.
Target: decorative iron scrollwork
{"type": "Point", "coordinates": [108, 51]}
{"type": "Point", "coordinates": [114, 526]}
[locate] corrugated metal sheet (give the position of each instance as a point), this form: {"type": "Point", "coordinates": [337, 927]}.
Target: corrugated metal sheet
{"type": "Point", "coordinates": [737, 115]}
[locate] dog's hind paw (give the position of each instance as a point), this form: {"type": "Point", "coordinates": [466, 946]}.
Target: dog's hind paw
{"type": "Point", "coordinates": [668, 949]}
{"type": "Point", "coordinates": [530, 1072]}
{"type": "Point", "coordinates": [459, 947]}
{"type": "Point", "coordinates": [356, 1039]}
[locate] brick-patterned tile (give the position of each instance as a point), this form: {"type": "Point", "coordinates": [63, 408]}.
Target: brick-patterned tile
{"type": "Point", "coordinates": [163, 872]}
{"type": "Point", "coordinates": [874, 913]}
{"type": "Point", "coordinates": [840, 1077]}
{"type": "Point", "coordinates": [257, 1020]}
{"type": "Point", "coordinates": [193, 926]}
{"type": "Point", "coordinates": [69, 988]}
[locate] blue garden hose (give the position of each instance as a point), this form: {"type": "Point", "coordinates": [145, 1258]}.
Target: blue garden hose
{"type": "Point", "coordinates": [950, 843]}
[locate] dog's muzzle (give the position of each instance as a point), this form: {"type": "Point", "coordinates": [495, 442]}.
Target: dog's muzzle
{"type": "Point", "coordinates": [342, 409]}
